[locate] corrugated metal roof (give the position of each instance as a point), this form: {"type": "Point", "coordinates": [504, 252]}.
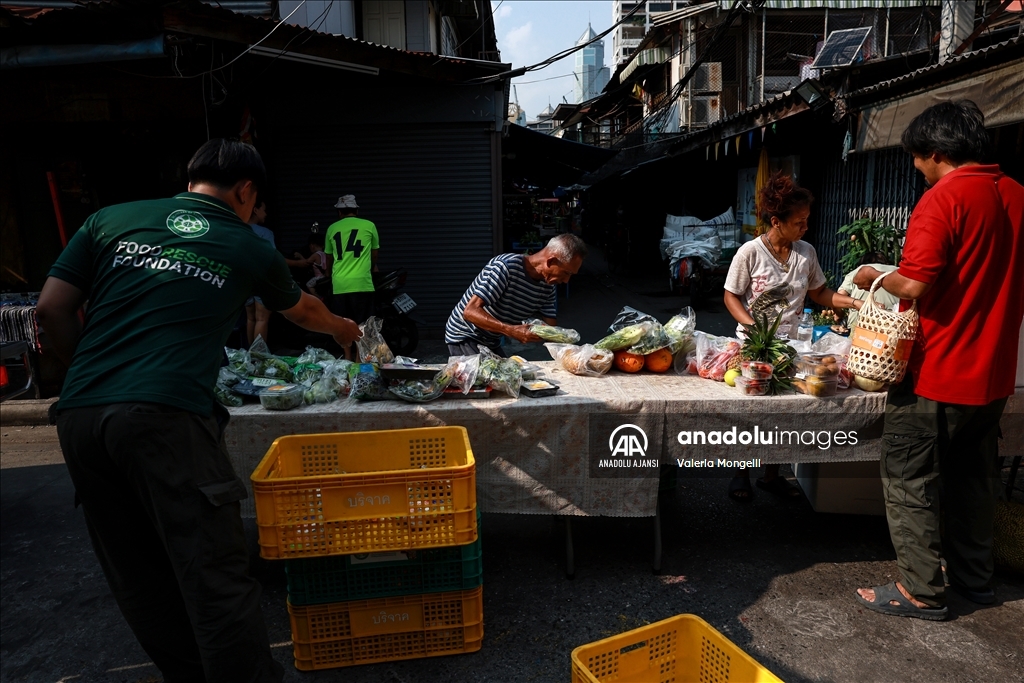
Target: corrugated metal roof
{"type": "Point", "coordinates": [1011, 48]}
{"type": "Point", "coordinates": [199, 17]}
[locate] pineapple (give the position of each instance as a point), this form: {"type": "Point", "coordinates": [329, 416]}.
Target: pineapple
{"type": "Point", "coordinates": [734, 363]}
{"type": "Point", "coordinates": [762, 344]}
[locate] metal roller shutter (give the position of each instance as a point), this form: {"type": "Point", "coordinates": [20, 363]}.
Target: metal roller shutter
{"type": "Point", "coordinates": [428, 188]}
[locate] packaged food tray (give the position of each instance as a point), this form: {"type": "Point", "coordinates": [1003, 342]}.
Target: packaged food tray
{"type": "Point", "coordinates": [365, 492]}
{"type": "Point", "coordinates": [320, 580]}
{"type": "Point", "coordinates": [680, 649]}
{"type": "Point", "coordinates": [386, 630]}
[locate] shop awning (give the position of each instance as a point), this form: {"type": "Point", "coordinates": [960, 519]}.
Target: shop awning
{"type": "Point", "coordinates": [999, 92]}
{"type": "Point", "coordinates": [547, 161]}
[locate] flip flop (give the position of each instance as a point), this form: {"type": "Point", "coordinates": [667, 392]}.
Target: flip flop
{"type": "Point", "coordinates": [780, 487]}
{"type": "Point", "coordinates": [740, 484]}
{"type": "Point", "coordinates": [885, 595]}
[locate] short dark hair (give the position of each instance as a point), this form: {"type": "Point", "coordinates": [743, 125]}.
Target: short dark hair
{"type": "Point", "coordinates": [223, 163]}
{"type": "Point", "coordinates": [955, 129]}
{"type": "Point", "coordinates": [874, 257]}
{"type": "Point", "coordinates": [316, 238]}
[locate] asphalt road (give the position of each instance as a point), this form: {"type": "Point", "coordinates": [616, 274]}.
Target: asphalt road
{"type": "Point", "coordinates": [773, 576]}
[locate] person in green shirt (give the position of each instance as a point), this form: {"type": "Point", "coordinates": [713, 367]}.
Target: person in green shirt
{"type": "Point", "coordinates": [352, 246]}
{"type": "Point", "coordinates": [141, 433]}
{"type": "Point", "coordinates": [887, 300]}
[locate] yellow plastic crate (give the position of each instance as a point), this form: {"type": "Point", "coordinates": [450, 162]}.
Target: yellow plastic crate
{"type": "Point", "coordinates": [364, 492]}
{"type": "Point", "coordinates": [386, 629]}
{"type": "Point", "coordinates": [681, 649]}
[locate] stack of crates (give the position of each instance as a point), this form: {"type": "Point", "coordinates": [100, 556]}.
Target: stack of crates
{"type": "Point", "coordinates": [379, 531]}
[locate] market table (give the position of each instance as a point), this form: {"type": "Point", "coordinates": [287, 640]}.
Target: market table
{"type": "Point", "coordinates": [533, 454]}
{"type": "Point", "coordinates": [536, 456]}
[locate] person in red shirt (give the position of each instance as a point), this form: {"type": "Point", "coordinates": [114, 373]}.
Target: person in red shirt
{"type": "Point", "coordinates": [963, 262]}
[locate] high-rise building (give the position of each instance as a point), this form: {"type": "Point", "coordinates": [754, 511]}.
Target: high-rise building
{"type": "Point", "coordinates": [628, 35]}
{"type": "Point", "coordinates": [591, 73]}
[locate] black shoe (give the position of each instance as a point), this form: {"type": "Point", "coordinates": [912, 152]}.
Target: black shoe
{"type": "Point", "coordinates": [985, 597]}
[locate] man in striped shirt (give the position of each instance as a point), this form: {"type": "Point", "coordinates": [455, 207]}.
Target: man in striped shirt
{"type": "Point", "coordinates": [510, 289]}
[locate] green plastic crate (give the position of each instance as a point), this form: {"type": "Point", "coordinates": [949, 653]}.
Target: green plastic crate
{"type": "Point", "coordinates": [321, 580]}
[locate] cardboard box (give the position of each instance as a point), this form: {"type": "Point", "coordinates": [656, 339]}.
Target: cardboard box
{"type": "Point", "coordinates": [852, 488]}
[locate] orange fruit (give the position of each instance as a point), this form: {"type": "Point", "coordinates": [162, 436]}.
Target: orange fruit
{"type": "Point", "coordinates": [628, 362]}
{"type": "Point", "coordinates": [658, 361]}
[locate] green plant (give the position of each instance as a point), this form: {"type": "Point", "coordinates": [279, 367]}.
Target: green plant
{"type": "Point", "coordinates": [762, 344]}
{"type": "Point", "coordinates": [870, 236]}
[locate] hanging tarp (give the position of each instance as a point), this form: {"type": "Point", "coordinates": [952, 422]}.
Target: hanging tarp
{"type": "Point", "coordinates": [998, 92]}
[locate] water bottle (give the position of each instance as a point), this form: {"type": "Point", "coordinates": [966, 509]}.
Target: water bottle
{"type": "Point", "coordinates": [805, 330]}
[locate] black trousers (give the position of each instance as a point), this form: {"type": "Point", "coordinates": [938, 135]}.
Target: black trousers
{"type": "Point", "coordinates": [939, 481]}
{"type": "Point", "coordinates": [469, 347]}
{"type": "Point", "coordinates": [161, 504]}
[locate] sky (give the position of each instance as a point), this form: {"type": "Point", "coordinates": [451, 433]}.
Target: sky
{"type": "Point", "coordinates": [530, 31]}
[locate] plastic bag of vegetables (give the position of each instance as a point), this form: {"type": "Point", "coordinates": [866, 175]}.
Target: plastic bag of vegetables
{"type": "Point", "coordinates": [625, 337]}
{"type": "Point", "coordinates": [680, 328]}
{"type": "Point", "coordinates": [586, 360]}
{"type": "Point", "coordinates": [273, 367]}
{"type": "Point", "coordinates": [225, 396]}
{"type": "Point", "coordinates": [420, 391]}
{"type": "Point", "coordinates": [371, 347]}
{"type": "Point", "coordinates": [503, 374]}
{"type": "Point", "coordinates": [630, 316]}
{"type": "Point", "coordinates": [550, 333]}
{"type": "Point", "coordinates": [463, 370]}
{"type": "Point", "coordinates": [324, 390]}
{"type": "Point", "coordinates": [366, 383]}
{"type": "Point", "coordinates": [307, 373]}
{"type": "Point", "coordinates": [313, 355]}
{"type": "Point", "coordinates": [239, 362]}
{"type": "Point", "coordinates": [654, 339]}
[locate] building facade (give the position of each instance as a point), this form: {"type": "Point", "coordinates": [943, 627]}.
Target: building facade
{"type": "Point", "coordinates": [591, 73]}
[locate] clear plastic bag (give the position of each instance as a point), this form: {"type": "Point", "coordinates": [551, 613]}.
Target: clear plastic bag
{"type": "Point", "coordinates": [551, 333]}
{"type": "Point", "coordinates": [654, 339]}
{"type": "Point", "coordinates": [313, 355]}
{"type": "Point", "coordinates": [529, 370]}
{"type": "Point", "coordinates": [333, 383]}
{"type": "Point", "coordinates": [239, 361]}
{"type": "Point", "coordinates": [630, 316]}
{"type": "Point", "coordinates": [225, 396]}
{"type": "Point", "coordinates": [714, 354]}
{"type": "Point", "coordinates": [625, 337]}
{"type": "Point", "coordinates": [463, 370]}
{"type": "Point", "coordinates": [307, 373]}
{"type": "Point", "coordinates": [228, 377]}
{"type": "Point", "coordinates": [833, 343]}
{"type": "Point", "coordinates": [502, 374]}
{"type": "Point", "coordinates": [586, 360]}
{"type": "Point", "coordinates": [371, 347]}
{"type": "Point", "coordinates": [366, 383]}
{"type": "Point", "coordinates": [680, 328]}
{"type": "Point", "coordinates": [419, 391]}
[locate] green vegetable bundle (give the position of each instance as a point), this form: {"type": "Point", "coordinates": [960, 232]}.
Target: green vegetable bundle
{"type": "Point", "coordinates": [654, 339]}
{"type": "Point", "coordinates": [313, 355]}
{"type": "Point", "coordinates": [551, 333]}
{"type": "Point", "coordinates": [419, 391]}
{"type": "Point", "coordinates": [499, 373]}
{"type": "Point", "coordinates": [624, 338]}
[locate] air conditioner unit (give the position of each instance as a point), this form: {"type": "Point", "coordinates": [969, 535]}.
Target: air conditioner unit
{"type": "Point", "coordinates": [707, 78]}
{"type": "Point", "coordinates": [705, 110]}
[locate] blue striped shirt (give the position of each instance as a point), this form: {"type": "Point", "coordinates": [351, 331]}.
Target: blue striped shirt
{"type": "Point", "coordinates": [508, 293]}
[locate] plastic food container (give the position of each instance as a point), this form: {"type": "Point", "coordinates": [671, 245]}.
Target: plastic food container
{"type": "Point", "coordinates": [753, 387]}
{"type": "Point", "coordinates": [813, 385]}
{"type": "Point", "coordinates": [819, 364]}
{"type": "Point", "coordinates": [538, 388]}
{"type": "Point", "coordinates": [282, 397]}
{"type": "Point", "coordinates": [755, 369]}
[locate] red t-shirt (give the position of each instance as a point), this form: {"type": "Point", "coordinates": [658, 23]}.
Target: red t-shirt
{"type": "Point", "coordinates": [965, 238]}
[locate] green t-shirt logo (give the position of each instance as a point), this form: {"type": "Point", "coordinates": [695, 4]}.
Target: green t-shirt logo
{"type": "Point", "coordinates": [187, 224]}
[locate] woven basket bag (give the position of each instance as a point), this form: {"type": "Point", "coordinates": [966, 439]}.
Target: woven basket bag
{"type": "Point", "coordinates": [882, 340]}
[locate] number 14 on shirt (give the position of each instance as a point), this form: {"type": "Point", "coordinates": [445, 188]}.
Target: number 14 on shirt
{"type": "Point", "coordinates": [355, 245]}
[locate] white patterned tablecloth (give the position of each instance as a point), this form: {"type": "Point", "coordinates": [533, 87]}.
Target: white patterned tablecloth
{"type": "Point", "coordinates": [534, 455]}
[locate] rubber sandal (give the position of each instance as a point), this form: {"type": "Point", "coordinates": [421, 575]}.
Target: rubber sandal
{"type": "Point", "coordinates": [738, 484]}
{"type": "Point", "coordinates": [884, 595]}
{"type": "Point", "coordinates": [780, 487]}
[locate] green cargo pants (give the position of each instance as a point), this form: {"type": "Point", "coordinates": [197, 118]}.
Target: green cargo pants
{"type": "Point", "coordinates": [939, 477]}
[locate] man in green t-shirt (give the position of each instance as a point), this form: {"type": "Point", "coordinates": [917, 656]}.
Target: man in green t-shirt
{"type": "Point", "coordinates": [351, 248]}
{"type": "Point", "coordinates": [140, 429]}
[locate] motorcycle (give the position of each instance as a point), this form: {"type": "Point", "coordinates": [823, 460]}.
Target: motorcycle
{"type": "Point", "coordinates": [392, 307]}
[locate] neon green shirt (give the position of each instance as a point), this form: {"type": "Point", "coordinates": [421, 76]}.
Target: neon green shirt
{"type": "Point", "coordinates": [350, 242]}
{"type": "Point", "coordinates": [166, 280]}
